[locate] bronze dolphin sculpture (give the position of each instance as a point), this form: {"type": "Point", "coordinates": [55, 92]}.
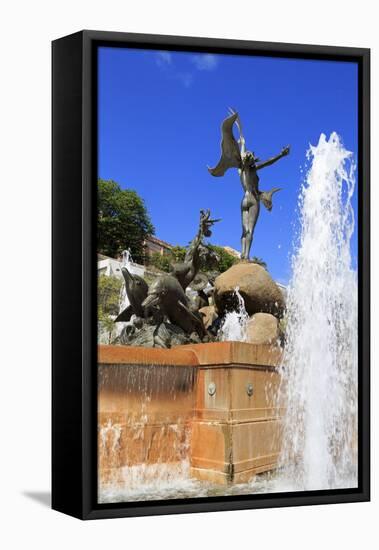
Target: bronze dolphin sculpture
{"type": "Point", "coordinates": [136, 290]}
{"type": "Point", "coordinates": [167, 293]}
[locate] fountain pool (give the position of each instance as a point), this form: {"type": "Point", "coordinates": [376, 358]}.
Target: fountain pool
{"type": "Point", "coordinates": [236, 418]}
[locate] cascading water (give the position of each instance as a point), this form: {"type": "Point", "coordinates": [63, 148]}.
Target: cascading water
{"type": "Point", "coordinates": [319, 370]}
{"type": "Point", "coordinates": [234, 324]}
{"type": "Point", "coordinates": [153, 441]}
{"type": "Point", "coordinates": [126, 260]}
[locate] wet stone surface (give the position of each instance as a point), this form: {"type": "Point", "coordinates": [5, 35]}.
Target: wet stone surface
{"type": "Point", "coordinates": [164, 335]}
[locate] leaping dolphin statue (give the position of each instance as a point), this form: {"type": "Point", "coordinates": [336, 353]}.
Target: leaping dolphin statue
{"type": "Point", "coordinates": [167, 293]}
{"type": "Point", "coordinates": [136, 290]}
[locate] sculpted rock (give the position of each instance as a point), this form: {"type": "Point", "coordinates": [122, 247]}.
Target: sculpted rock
{"type": "Point", "coordinates": [262, 328]}
{"type": "Point", "coordinates": [164, 335]}
{"type": "Point", "coordinates": [257, 288]}
{"type": "Point", "coordinates": [167, 335]}
{"type": "Point", "coordinates": [132, 336]}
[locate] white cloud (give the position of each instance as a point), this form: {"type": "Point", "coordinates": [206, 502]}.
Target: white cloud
{"type": "Point", "coordinates": [163, 58]}
{"type": "Point", "coordinates": [205, 61]}
{"type": "Point", "coordinates": [202, 62]}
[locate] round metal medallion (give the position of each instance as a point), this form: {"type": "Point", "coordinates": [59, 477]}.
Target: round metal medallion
{"type": "Point", "coordinates": [212, 388]}
{"type": "Point", "coordinates": [249, 389]}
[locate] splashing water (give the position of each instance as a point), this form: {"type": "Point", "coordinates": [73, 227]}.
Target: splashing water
{"type": "Point", "coordinates": [234, 325]}
{"type": "Point", "coordinates": [126, 261]}
{"type": "Point", "coordinates": [319, 370]}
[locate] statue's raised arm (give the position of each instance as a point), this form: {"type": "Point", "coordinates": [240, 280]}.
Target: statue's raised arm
{"type": "Point", "coordinates": [283, 153]}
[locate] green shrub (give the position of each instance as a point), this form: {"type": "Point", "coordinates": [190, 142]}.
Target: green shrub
{"type": "Point", "coordinates": [108, 295]}
{"type": "Point", "coordinates": [226, 260]}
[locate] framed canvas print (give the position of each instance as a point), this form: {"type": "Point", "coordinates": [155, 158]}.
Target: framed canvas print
{"type": "Point", "coordinates": [210, 275]}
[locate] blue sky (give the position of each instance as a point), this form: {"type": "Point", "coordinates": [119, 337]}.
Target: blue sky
{"type": "Point", "coordinates": [159, 128]}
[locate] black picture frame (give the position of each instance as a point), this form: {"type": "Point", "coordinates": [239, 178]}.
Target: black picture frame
{"type": "Point", "coordinates": [74, 151]}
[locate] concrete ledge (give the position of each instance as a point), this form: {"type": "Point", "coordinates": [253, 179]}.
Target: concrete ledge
{"type": "Point", "coordinates": [129, 355]}
{"type": "Point", "coordinates": [212, 354]}
{"type": "Point", "coordinates": [237, 353]}
{"type": "Point", "coordinates": [238, 416]}
{"type": "Point", "coordinates": [220, 478]}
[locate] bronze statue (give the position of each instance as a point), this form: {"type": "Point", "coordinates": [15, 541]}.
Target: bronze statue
{"type": "Point", "coordinates": [164, 315]}
{"type": "Point", "coordinates": [136, 290]}
{"type": "Point", "coordinates": [186, 271]}
{"type": "Point", "coordinates": [167, 294]}
{"type": "Point", "coordinates": [235, 155]}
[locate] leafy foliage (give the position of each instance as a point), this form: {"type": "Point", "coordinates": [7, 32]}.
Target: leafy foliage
{"type": "Point", "coordinates": [178, 253]}
{"type": "Point", "coordinates": [160, 261]}
{"type": "Point", "coordinates": [226, 260]}
{"type": "Point", "coordinates": [107, 324]}
{"type": "Point", "coordinates": [163, 261]}
{"type": "Point", "coordinates": [259, 261]}
{"type": "Point", "coordinates": [123, 220]}
{"type": "Point", "coordinates": [108, 295]}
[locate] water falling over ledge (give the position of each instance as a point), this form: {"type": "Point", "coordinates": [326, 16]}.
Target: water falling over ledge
{"type": "Point", "coordinates": [195, 420]}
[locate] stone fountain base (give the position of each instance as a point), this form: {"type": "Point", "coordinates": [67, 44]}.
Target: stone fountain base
{"type": "Point", "coordinates": [210, 404]}
{"type": "Point", "coordinates": [235, 426]}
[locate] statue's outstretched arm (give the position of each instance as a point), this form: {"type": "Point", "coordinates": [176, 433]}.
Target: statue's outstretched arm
{"type": "Point", "coordinates": [284, 152]}
{"type": "Point", "coordinates": [230, 151]}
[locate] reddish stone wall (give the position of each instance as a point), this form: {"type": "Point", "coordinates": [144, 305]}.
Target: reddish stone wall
{"type": "Point", "coordinates": [157, 406]}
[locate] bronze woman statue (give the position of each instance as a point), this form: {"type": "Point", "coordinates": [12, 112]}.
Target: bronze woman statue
{"type": "Point", "coordinates": [235, 155]}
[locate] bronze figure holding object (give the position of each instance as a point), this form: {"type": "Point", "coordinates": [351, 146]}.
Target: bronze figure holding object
{"type": "Point", "coordinates": [186, 271]}
{"type": "Point", "coordinates": [235, 155]}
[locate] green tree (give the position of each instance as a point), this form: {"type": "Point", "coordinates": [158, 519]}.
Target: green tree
{"type": "Point", "coordinates": [178, 253]}
{"type": "Point", "coordinates": [164, 261]}
{"type": "Point", "coordinates": [226, 260]}
{"type": "Point", "coordinates": [160, 261]}
{"type": "Point", "coordinates": [259, 261]}
{"type": "Point", "coordinates": [108, 295]}
{"type": "Point", "coordinates": [107, 325]}
{"type": "Point", "coordinates": [123, 220]}
{"type": "Point", "coordinates": [108, 300]}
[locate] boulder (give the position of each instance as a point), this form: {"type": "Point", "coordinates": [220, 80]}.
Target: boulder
{"type": "Point", "coordinates": [262, 328]}
{"type": "Point", "coordinates": [209, 315]}
{"type": "Point", "coordinates": [259, 291]}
